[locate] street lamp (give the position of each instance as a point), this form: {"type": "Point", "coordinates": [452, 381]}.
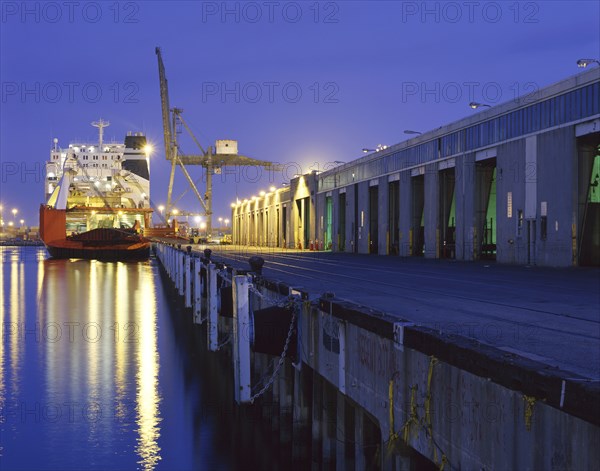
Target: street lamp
{"type": "Point", "coordinates": [583, 63]}
{"type": "Point", "coordinates": [203, 226]}
{"type": "Point", "coordinates": [220, 221]}
{"type": "Point", "coordinates": [22, 221]}
{"type": "Point", "coordinates": [14, 212]}
{"type": "Point", "coordinates": [476, 105]}
{"type": "Point", "coordinates": [377, 149]}
{"type": "Point", "coordinates": [408, 131]}
{"type": "Point", "coordinates": [226, 221]}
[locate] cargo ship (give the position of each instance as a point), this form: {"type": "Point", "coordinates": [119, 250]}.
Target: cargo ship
{"type": "Point", "coordinates": [98, 199]}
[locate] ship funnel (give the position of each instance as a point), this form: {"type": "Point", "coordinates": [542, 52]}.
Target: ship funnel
{"type": "Point", "coordinates": [100, 124]}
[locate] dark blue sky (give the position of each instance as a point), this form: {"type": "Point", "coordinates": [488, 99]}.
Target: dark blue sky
{"type": "Point", "coordinates": [294, 82]}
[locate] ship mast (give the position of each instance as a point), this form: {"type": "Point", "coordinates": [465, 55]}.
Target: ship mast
{"type": "Point", "coordinates": [100, 124]}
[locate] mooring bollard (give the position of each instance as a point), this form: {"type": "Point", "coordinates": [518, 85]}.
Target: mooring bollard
{"type": "Point", "coordinates": [188, 277]}
{"type": "Point", "coordinates": [241, 340]}
{"type": "Point", "coordinates": [197, 291]}
{"type": "Point", "coordinates": [212, 330]}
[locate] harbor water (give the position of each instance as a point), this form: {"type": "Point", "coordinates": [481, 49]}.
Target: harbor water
{"type": "Point", "coordinates": [99, 370]}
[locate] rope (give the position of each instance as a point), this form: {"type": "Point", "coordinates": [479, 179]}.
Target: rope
{"type": "Point", "coordinates": [528, 412]}
{"type": "Point", "coordinates": [412, 416]}
{"type": "Point", "coordinates": [393, 438]}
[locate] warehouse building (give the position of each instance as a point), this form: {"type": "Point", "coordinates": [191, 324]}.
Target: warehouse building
{"type": "Point", "coordinates": [518, 182]}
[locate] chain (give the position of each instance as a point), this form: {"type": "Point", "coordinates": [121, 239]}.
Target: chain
{"type": "Point", "coordinates": [269, 383]}
{"type": "Point", "coordinates": [224, 278]}
{"type": "Point", "coordinates": [225, 342]}
{"type": "Point", "coordinates": [271, 300]}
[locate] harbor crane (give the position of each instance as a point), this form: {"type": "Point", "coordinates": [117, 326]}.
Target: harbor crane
{"type": "Point", "coordinates": [224, 154]}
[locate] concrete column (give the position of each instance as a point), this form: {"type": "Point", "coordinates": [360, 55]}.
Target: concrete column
{"type": "Point", "coordinates": [329, 426]}
{"type": "Point", "coordinates": [181, 271]}
{"type": "Point", "coordinates": [384, 219]}
{"type": "Point", "coordinates": [335, 202]}
{"type": "Point", "coordinates": [301, 416]}
{"type": "Point", "coordinates": [363, 217]}
{"type": "Point", "coordinates": [350, 220]}
{"type": "Point", "coordinates": [340, 433]}
{"type": "Point", "coordinates": [359, 451]}
{"type": "Point", "coordinates": [197, 291]}
{"type": "Point", "coordinates": [317, 422]}
{"type": "Point", "coordinates": [241, 342]}
{"type": "Point", "coordinates": [188, 281]}
{"type": "Point", "coordinates": [431, 209]}
{"type": "Point", "coordinates": [286, 396]}
{"type": "Point", "coordinates": [465, 207]}
{"type": "Point", "coordinates": [405, 213]}
{"type": "Point", "coordinates": [212, 331]}
{"type": "Point", "coordinates": [320, 217]}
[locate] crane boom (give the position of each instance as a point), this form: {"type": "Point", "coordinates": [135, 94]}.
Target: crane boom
{"type": "Point", "coordinates": [164, 101]}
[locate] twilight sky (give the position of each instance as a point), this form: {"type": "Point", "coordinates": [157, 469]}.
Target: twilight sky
{"type": "Point", "coordinates": [300, 83]}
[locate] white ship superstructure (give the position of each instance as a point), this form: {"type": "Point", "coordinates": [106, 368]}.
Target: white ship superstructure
{"type": "Point", "coordinates": [109, 184]}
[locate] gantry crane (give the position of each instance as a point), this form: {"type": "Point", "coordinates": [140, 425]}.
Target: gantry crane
{"type": "Point", "coordinates": [171, 118]}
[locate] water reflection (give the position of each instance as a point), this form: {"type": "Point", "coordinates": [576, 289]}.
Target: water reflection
{"type": "Point", "coordinates": [100, 369]}
{"type": "Point", "coordinates": [79, 363]}
{"type": "Point", "coordinates": [147, 378]}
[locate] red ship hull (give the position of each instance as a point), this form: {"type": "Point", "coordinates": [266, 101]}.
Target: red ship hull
{"type": "Point", "coordinates": [98, 244]}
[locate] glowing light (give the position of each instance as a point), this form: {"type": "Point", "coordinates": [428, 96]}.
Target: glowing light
{"type": "Point", "coordinates": [272, 188]}
{"type": "Point", "coordinates": [175, 211]}
{"type": "Point", "coordinates": [148, 149]}
{"type": "Point", "coordinates": [262, 193]}
{"type": "Point", "coordinates": [161, 208]}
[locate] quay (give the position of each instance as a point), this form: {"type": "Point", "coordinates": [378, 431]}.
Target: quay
{"type": "Point", "coordinates": [387, 363]}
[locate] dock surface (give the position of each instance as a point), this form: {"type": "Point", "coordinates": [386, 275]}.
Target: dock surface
{"type": "Point", "coordinates": [551, 315]}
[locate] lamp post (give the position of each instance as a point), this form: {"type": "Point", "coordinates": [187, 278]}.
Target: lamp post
{"type": "Point", "coordinates": [476, 105]}
{"type": "Point", "coordinates": [379, 147]}
{"type": "Point", "coordinates": [22, 221]}
{"type": "Point", "coordinates": [14, 213]}
{"type": "Point", "coordinates": [583, 63]}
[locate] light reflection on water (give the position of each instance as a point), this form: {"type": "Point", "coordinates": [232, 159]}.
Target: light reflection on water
{"type": "Point", "coordinates": [82, 380]}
